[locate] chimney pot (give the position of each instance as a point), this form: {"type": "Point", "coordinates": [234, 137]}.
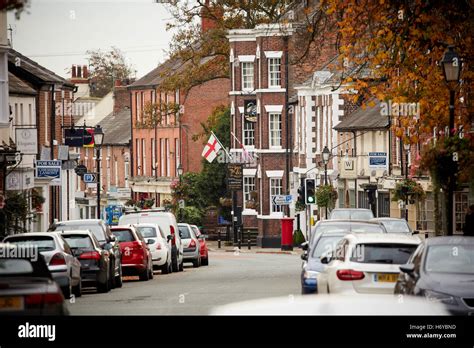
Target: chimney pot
{"type": "Point", "coordinates": [79, 71]}
{"type": "Point", "coordinates": [73, 71]}
{"type": "Point", "coordinates": [85, 72]}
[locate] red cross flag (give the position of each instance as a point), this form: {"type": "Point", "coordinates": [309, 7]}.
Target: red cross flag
{"type": "Point", "coordinates": [211, 149]}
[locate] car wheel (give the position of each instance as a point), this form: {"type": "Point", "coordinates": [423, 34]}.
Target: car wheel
{"type": "Point", "coordinates": [104, 287]}
{"type": "Point", "coordinates": [205, 261]}
{"type": "Point", "coordinates": [175, 264]}
{"type": "Point", "coordinates": [145, 275]}
{"type": "Point", "coordinates": [112, 277]}
{"type": "Point", "coordinates": [181, 266]}
{"type": "Point", "coordinates": [166, 268]}
{"type": "Point", "coordinates": [118, 279]}
{"type": "Point", "coordinates": [151, 272]}
{"type": "Point", "coordinates": [77, 291]}
{"type": "Point", "coordinates": [67, 291]}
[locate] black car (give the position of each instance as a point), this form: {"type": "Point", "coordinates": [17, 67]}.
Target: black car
{"type": "Point", "coordinates": [95, 267]}
{"type": "Point", "coordinates": [106, 239]}
{"type": "Point", "coordinates": [442, 270]}
{"type": "Point", "coordinates": [312, 265]}
{"type": "Point", "coordinates": [26, 284]}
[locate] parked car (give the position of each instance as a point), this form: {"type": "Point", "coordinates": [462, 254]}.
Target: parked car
{"type": "Point", "coordinates": [136, 256]}
{"type": "Point", "coordinates": [27, 286]}
{"type": "Point", "coordinates": [190, 245]}
{"type": "Point", "coordinates": [351, 214]}
{"type": "Point", "coordinates": [106, 239]}
{"type": "Point", "coordinates": [203, 250]}
{"type": "Point", "coordinates": [62, 264]}
{"type": "Point", "coordinates": [340, 226]}
{"type": "Point", "coordinates": [442, 270]}
{"type": "Point", "coordinates": [95, 261]}
{"type": "Point", "coordinates": [312, 265]}
{"type": "Point", "coordinates": [395, 225]}
{"type": "Point", "coordinates": [365, 263]}
{"type": "Point", "coordinates": [167, 222]}
{"type": "Point", "coordinates": [159, 244]}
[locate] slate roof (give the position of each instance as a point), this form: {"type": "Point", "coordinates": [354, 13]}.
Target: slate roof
{"type": "Point", "coordinates": [18, 86]}
{"type": "Point", "coordinates": [155, 77]}
{"type": "Point", "coordinates": [369, 118]}
{"type": "Point", "coordinates": [117, 127]}
{"type": "Point", "coordinates": [34, 69]}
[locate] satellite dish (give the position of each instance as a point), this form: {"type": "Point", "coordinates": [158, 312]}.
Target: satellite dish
{"type": "Point", "coordinates": [373, 173]}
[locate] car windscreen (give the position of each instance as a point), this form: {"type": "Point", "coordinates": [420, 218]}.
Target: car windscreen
{"type": "Point", "coordinates": [382, 253]}
{"type": "Point", "coordinates": [147, 232]}
{"type": "Point", "coordinates": [396, 226]}
{"type": "Point", "coordinates": [15, 266]}
{"type": "Point", "coordinates": [79, 241]}
{"type": "Point", "coordinates": [450, 259]}
{"type": "Point", "coordinates": [330, 227]}
{"type": "Point", "coordinates": [123, 235]}
{"type": "Point", "coordinates": [324, 244]}
{"type": "Point", "coordinates": [366, 228]}
{"type": "Point", "coordinates": [184, 232]}
{"type": "Point", "coordinates": [96, 229]}
{"type": "Point", "coordinates": [340, 214]}
{"type": "Point", "coordinates": [361, 215]}
{"type": "Point", "coordinates": [43, 243]}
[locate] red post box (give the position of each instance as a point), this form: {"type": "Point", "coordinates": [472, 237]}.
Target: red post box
{"type": "Point", "coordinates": [287, 233]}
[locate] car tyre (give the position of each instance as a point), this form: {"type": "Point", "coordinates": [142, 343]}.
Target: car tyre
{"type": "Point", "coordinates": [104, 287]}
{"type": "Point", "coordinates": [112, 277]}
{"type": "Point", "coordinates": [196, 263]}
{"type": "Point", "coordinates": [181, 266]}
{"type": "Point", "coordinates": [175, 264]}
{"type": "Point", "coordinates": [67, 291]}
{"type": "Point", "coordinates": [144, 276]}
{"type": "Point", "coordinates": [118, 279]}
{"type": "Point", "coordinates": [166, 268]}
{"type": "Point", "coordinates": [205, 261]}
{"type": "Point", "coordinates": [77, 290]}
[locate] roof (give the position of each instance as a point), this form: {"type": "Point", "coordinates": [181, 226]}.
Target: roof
{"type": "Point", "coordinates": [20, 62]}
{"type": "Point", "coordinates": [383, 238]}
{"type": "Point", "coordinates": [369, 118]}
{"type": "Point", "coordinates": [156, 76]}
{"type": "Point", "coordinates": [116, 127]}
{"type": "Point", "coordinates": [450, 240]}
{"type": "Point", "coordinates": [18, 86]}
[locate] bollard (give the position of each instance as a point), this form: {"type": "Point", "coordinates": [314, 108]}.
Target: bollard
{"type": "Point", "coordinates": [248, 240]}
{"type": "Point", "coordinates": [426, 235]}
{"type": "Point", "coordinates": [219, 239]}
{"type": "Point", "coordinates": [240, 243]}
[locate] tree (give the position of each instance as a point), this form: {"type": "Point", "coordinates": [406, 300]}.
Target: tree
{"type": "Point", "coordinates": [17, 5]}
{"type": "Point", "coordinates": [106, 67]}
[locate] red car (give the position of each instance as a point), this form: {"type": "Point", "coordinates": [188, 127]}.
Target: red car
{"type": "Point", "coordinates": [136, 256]}
{"type": "Point", "coordinates": [203, 251]}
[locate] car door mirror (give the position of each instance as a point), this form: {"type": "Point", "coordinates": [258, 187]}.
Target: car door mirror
{"type": "Point", "coordinates": [170, 237]}
{"type": "Point", "coordinates": [304, 257]}
{"type": "Point", "coordinates": [304, 246]}
{"type": "Point", "coordinates": [326, 257]}
{"type": "Point", "coordinates": [409, 268]}
{"type": "Point", "coordinates": [150, 241]}
{"type": "Point", "coordinates": [416, 232]}
{"type": "Point", "coordinates": [112, 238]}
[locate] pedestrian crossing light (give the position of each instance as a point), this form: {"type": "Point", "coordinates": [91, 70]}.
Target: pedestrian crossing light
{"type": "Point", "coordinates": [301, 191]}
{"type": "Point", "coordinates": [310, 191]}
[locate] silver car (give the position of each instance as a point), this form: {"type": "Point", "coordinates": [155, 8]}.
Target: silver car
{"type": "Point", "coordinates": [64, 267]}
{"type": "Point", "coordinates": [190, 245]}
{"type": "Point", "coordinates": [395, 225]}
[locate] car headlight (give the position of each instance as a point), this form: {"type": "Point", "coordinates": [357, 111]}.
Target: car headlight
{"type": "Point", "coordinates": [310, 274]}
{"type": "Point", "coordinates": [434, 296]}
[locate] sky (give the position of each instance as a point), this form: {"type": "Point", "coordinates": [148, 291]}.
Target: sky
{"type": "Point", "coordinates": [57, 33]}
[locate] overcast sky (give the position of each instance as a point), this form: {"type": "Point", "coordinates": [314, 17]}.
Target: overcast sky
{"type": "Point", "coordinates": [57, 33]}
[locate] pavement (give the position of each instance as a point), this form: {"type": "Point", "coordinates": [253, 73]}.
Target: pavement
{"type": "Point", "coordinates": [230, 277]}
{"type": "Point", "coordinates": [213, 245]}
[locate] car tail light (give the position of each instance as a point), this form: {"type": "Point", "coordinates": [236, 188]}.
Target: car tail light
{"type": "Point", "coordinates": [57, 260]}
{"type": "Point", "coordinates": [349, 274]}
{"type": "Point", "coordinates": [90, 255]}
{"type": "Point", "coordinates": [50, 298]}
{"type": "Point", "coordinates": [173, 240]}
{"type": "Point", "coordinates": [192, 245]}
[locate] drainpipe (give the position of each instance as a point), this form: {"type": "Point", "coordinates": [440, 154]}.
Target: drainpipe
{"type": "Point", "coordinates": [355, 155]}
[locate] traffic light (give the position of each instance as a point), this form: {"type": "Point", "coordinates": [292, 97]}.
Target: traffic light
{"type": "Point", "coordinates": [310, 191]}
{"type": "Point", "coordinates": [301, 193]}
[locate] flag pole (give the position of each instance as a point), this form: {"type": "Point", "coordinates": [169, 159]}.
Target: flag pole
{"type": "Point", "coordinates": [222, 146]}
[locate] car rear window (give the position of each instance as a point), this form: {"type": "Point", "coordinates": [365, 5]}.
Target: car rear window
{"type": "Point", "coordinates": [184, 232]}
{"type": "Point", "coordinates": [382, 253]}
{"type": "Point", "coordinates": [324, 244]}
{"type": "Point", "coordinates": [396, 226]}
{"type": "Point", "coordinates": [361, 215]}
{"type": "Point", "coordinates": [323, 228]}
{"type": "Point", "coordinates": [15, 266]}
{"type": "Point", "coordinates": [79, 242]}
{"type": "Point", "coordinates": [361, 228]}
{"type": "Point", "coordinates": [43, 243]}
{"type": "Point", "coordinates": [450, 259]}
{"type": "Point", "coordinates": [124, 235]}
{"type": "Point", "coordinates": [96, 229]}
{"type": "Point", "coordinates": [147, 232]}
{"type": "Point", "coordinates": [196, 231]}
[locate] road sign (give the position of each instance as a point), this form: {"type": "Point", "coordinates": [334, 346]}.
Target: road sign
{"type": "Point", "coordinates": [282, 200]}
{"type": "Point", "coordinates": [90, 178]}
{"type": "Point", "coordinates": [81, 170]}
{"type": "Point", "coordinates": [181, 203]}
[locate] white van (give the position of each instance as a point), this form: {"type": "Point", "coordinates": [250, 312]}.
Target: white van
{"type": "Point", "coordinates": [167, 222]}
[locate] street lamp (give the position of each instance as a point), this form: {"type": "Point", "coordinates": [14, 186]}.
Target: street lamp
{"type": "Point", "coordinates": [180, 171]}
{"type": "Point", "coordinates": [406, 146]}
{"type": "Point", "coordinates": [98, 141]}
{"type": "Point", "coordinates": [326, 155]}
{"type": "Point", "coordinates": [452, 71]}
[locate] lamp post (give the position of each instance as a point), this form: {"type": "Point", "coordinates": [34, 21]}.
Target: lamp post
{"type": "Point", "coordinates": [326, 155]}
{"type": "Point", "coordinates": [452, 71]}
{"type": "Point", "coordinates": [98, 140]}
{"type": "Point", "coordinates": [406, 146]}
{"type": "Point", "coordinates": [180, 174]}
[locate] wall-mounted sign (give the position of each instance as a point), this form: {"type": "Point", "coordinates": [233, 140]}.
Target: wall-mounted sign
{"type": "Point", "coordinates": [26, 140]}
{"type": "Point", "coordinates": [250, 110]}
{"type": "Point", "coordinates": [378, 160]}
{"type": "Point", "coordinates": [235, 176]}
{"type": "Point", "coordinates": [20, 180]}
{"type": "Point", "coordinates": [49, 170]}
{"type": "Point", "coordinates": [348, 168]}
{"type": "Point", "coordinates": [79, 137]}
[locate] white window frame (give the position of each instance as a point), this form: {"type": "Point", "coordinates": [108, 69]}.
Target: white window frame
{"type": "Point", "coordinates": [247, 85]}
{"type": "Point", "coordinates": [275, 209]}
{"type": "Point", "coordinates": [177, 155]}
{"type": "Point", "coordinates": [168, 158]}
{"type": "Point", "coordinates": [249, 142]}
{"type": "Point", "coordinates": [153, 157]}
{"type": "Point", "coordinates": [162, 156]}
{"type": "Point", "coordinates": [271, 131]}
{"type": "Point", "coordinates": [139, 160]}
{"type": "Point", "coordinates": [248, 187]}
{"type": "Point", "coordinates": [144, 156]}
{"type": "Point", "coordinates": [274, 77]}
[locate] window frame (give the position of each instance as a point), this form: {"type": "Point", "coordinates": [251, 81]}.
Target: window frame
{"type": "Point", "coordinates": [271, 131]}
{"type": "Point", "coordinates": [244, 66]}
{"type": "Point", "coordinates": [271, 74]}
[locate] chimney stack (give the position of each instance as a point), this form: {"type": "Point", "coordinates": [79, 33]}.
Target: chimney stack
{"type": "Point", "coordinates": [79, 71]}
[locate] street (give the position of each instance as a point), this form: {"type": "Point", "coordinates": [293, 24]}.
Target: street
{"type": "Point", "coordinates": [230, 277]}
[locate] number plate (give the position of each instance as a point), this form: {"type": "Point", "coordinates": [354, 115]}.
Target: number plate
{"type": "Point", "coordinates": [11, 303]}
{"type": "Point", "coordinates": [386, 277]}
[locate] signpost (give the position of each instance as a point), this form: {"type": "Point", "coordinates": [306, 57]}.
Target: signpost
{"type": "Point", "coordinates": [378, 160]}
{"type": "Point", "coordinates": [90, 178]}
{"type": "Point", "coordinates": [282, 199]}
{"type": "Point", "coordinates": [81, 170]}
